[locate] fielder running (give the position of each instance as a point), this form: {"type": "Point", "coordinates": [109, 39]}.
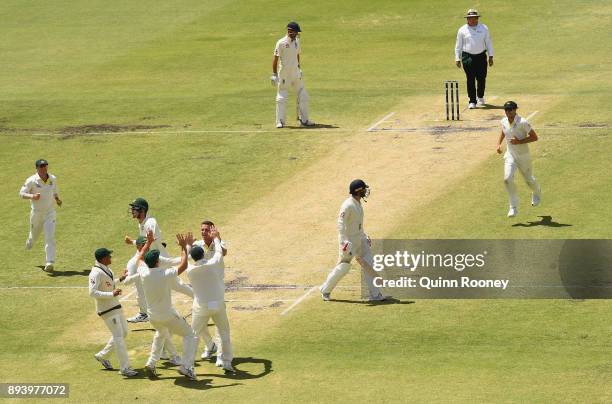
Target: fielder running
{"type": "Point", "coordinates": [289, 77]}
{"type": "Point", "coordinates": [517, 132]}
{"type": "Point", "coordinates": [354, 243]}
{"type": "Point", "coordinates": [102, 288]}
{"type": "Point", "coordinates": [42, 191]}
{"type": "Point", "coordinates": [157, 283]}
{"type": "Point", "coordinates": [206, 276]}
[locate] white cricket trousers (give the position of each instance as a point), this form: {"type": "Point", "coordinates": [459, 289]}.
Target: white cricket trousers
{"type": "Point", "coordinates": [39, 222]}
{"type": "Point", "coordinates": [218, 313]}
{"type": "Point", "coordinates": [360, 249]}
{"type": "Point", "coordinates": [164, 329]}
{"type": "Point", "coordinates": [116, 323]}
{"type": "Point", "coordinates": [294, 84]}
{"type": "Point", "coordinates": [522, 163]}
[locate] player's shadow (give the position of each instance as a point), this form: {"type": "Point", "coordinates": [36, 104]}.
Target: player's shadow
{"type": "Point", "coordinates": [201, 384]}
{"type": "Point", "coordinates": [490, 106]}
{"type": "Point", "coordinates": [386, 302]}
{"type": "Point", "coordinates": [243, 374]}
{"type": "Point", "coordinates": [315, 126]}
{"type": "Point", "coordinates": [544, 221]}
{"type": "Point", "coordinates": [56, 274]}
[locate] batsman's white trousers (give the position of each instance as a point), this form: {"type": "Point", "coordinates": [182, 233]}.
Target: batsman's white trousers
{"type": "Point", "coordinates": [43, 221]}
{"type": "Point", "coordinates": [360, 249]}
{"type": "Point", "coordinates": [522, 163]}
{"type": "Point", "coordinates": [116, 323]}
{"type": "Point", "coordinates": [295, 84]}
{"type": "Point", "coordinates": [216, 311]}
{"type": "Point", "coordinates": [164, 328]}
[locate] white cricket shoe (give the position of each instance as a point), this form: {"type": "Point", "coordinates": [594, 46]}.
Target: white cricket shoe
{"type": "Point", "coordinates": [29, 244]}
{"type": "Point", "coordinates": [535, 199]}
{"type": "Point", "coordinates": [219, 362]}
{"type": "Point", "coordinates": [279, 125]}
{"type": "Point", "coordinates": [326, 296]}
{"type": "Point", "coordinates": [105, 362]}
{"type": "Point", "coordinates": [472, 105]}
{"type": "Point", "coordinates": [227, 366]}
{"type": "Point", "coordinates": [512, 212]}
{"type": "Point", "coordinates": [48, 267]}
{"type": "Point", "coordinates": [481, 101]}
{"type": "Point", "coordinates": [176, 360]}
{"type": "Point", "coordinates": [307, 123]}
{"type": "Point", "coordinates": [151, 370]}
{"type": "Point", "coordinates": [128, 372]}
{"type": "Point", "coordinates": [188, 372]}
{"type": "Point", "coordinates": [208, 353]}
{"type": "Point", "coordinates": [139, 318]}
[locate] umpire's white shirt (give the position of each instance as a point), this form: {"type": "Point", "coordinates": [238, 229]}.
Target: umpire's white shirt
{"type": "Point", "coordinates": [206, 277]}
{"type": "Point", "coordinates": [47, 190]}
{"type": "Point", "coordinates": [350, 220]}
{"type": "Point", "coordinates": [519, 129]}
{"type": "Point", "coordinates": [288, 51]}
{"type": "Point", "coordinates": [101, 286]}
{"type": "Point", "coordinates": [474, 40]}
{"type": "Point", "coordinates": [157, 283]}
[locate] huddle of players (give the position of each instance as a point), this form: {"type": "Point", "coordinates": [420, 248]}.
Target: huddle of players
{"type": "Point", "coordinates": [154, 274]}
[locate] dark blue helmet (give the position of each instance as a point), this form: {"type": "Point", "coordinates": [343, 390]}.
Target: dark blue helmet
{"type": "Point", "coordinates": [294, 26]}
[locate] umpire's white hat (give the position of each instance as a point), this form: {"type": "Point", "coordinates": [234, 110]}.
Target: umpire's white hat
{"type": "Point", "coordinates": [472, 12]}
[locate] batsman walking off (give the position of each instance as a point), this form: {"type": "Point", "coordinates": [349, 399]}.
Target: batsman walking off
{"type": "Point", "coordinates": [517, 132]}
{"type": "Point", "coordinates": [289, 77]}
{"type": "Point", "coordinates": [354, 243]}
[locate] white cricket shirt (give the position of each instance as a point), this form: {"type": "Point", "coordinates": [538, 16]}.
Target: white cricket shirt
{"type": "Point", "coordinates": [519, 129]}
{"type": "Point", "coordinates": [206, 277]}
{"type": "Point", "coordinates": [101, 286]}
{"type": "Point", "coordinates": [47, 190]}
{"type": "Point", "coordinates": [157, 283]}
{"type": "Point", "coordinates": [287, 52]}
{"type": "Point", "coordinates": [350, 219]}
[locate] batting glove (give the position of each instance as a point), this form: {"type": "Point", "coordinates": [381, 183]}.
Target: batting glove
{"type": "Point", "coordinates": [274, 79]}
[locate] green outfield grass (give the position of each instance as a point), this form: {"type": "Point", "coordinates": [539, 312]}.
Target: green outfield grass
{"type": "Point", "coordinates": [74, 67]}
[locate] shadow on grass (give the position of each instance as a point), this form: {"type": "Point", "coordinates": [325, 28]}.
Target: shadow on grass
{"type": "Point", "coordinates": [490, 106]}
{"type": "Point", "coordinates": [374, 303]}
{"type": "Point", "coordinates": [56, 274]}
{"type": "Point", "coordinates": [242, 374]}
{"type": "Point", "coordinates": [544, 221]}
{"type": "Point", "coordinates": [315, 126]}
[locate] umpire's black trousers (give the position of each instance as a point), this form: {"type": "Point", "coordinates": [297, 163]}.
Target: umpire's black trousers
{"type": "Point", "coordinates": [475, 68]}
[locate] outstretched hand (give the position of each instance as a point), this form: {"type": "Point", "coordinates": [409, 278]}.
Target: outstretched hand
{"type": "Point", "coordinates": [181, 240]}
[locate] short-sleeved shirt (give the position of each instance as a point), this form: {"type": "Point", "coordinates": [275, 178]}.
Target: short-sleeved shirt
{"type": "Point", "coordinates": [519, 129]}
{"type": "Point", "coordinates": [287, 52]}
{"type": "Point", "coordinates": [150, 223]}
{"type": "Point", "coordinates": [47, 190]}
{"type": "Point", "coordinates": [157, 284]}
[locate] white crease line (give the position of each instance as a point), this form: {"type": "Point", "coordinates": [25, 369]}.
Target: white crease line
{"type": "Point", "coordinates": [178, 132]}
{"type": "Point", "coordinates": [373, 127]}
{"type": "Point", "coordinates": [532, 115]}
{"type": "Point", "coordinates": [298, 301]}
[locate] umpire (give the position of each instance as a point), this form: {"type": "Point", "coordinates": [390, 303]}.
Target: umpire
{"type": "Point", "coordinates": [473, 44]}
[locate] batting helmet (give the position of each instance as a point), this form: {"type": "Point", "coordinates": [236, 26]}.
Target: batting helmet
{"type": "Point", "coordinates": [140, 204]}
{"type": "Point", "coordinates": [294, 26]}
{"type": "Point", "coordinates": [358, 186]}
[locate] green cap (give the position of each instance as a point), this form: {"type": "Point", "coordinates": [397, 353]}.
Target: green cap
{"type": "Point", "coordinates": [141, 240]}
{"type": "Point", "coordinates": [101, 253]}
{"type": "Point", "coordinates": [151, 258]}
{"type": "Point", "coordinates": [140, 203]}
{"type": "Point", "coordinates": [510, 105]}
{"type": "Point", "coordinates": [41, 162]}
